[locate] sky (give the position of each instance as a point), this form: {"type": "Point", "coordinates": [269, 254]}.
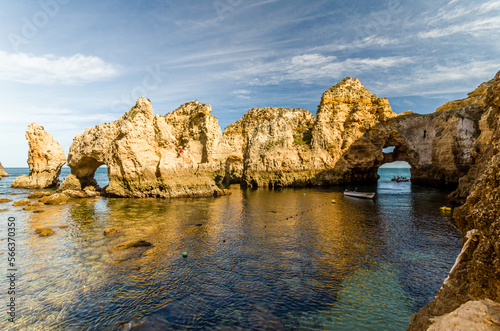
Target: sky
{"type": "Point", "coordinates": [69, 65]}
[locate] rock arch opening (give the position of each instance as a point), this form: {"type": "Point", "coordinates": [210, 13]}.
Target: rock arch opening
{"type": "Point", "coordinates": [90, 172]}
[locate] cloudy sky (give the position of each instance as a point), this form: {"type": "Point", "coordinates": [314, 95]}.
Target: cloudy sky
{"type": "Point", "coordinates": [70, 64]}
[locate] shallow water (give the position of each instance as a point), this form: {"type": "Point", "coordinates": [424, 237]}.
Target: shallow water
{"type": "Point", "coordinates": [257, 259]}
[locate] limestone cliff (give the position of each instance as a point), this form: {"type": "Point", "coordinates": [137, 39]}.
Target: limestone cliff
{"type": "Point", "coordinates": [290, 147]}
{"type": "Point", "coordinates": [149, 155]}
{"type": "Point", "coordinates": [3, 173]}
{"type": "Point", "coordinates": [270, 147]}
{"type": "Point", "coordinates": [45, 160]}
{"type": "Point", "coordinates": [476, 275]}
{"type": "Point", "coordinates": [346, 136]}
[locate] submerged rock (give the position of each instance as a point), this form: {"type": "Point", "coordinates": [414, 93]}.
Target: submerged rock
{"type": "Point", "coordinates": [111, 231]}
{"type": "Point", "coordinates": [44, 232]}
{"type": "Point", "coordinates": [38, 195]}
{"type": "Point", "coordinates": [21, 203]}
{"type": "Point", "coordinates": [3, 173]}
{"type": "Point", "coordinates": [129, 250]}
{"type": "Point", "coordinates": [130, 244]}
{"type": "Point", "coordinates": [45, 159]}
{"type": "Point", "coordinates": [4, 200]}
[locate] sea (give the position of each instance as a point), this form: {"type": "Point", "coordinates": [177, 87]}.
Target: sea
{"type": "Point", "coordinates": [259, 259]}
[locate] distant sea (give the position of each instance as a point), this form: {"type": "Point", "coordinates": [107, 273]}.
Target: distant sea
{"type": "Point", "coordinates": [299, 259]}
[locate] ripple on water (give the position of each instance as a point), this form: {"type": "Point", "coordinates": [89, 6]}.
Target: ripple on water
{"type": "Point", "coordinates": [260, 259]}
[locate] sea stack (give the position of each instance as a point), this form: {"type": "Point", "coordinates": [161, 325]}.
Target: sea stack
{"type": "Point", "coordinates": [3, 173]}
{"type": "Point", "coordinates": [45, 159]}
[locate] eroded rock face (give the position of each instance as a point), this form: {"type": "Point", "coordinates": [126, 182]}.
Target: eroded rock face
{"type": "Point", "coordinates": [3, 173]}
{"type": "Point", "coordinates": [270, 147]}
{"type": "Point", "coordinates": [184, 153]}
{"type": "Point", "coordinates": [45, 160]}
{"type": "Point", "coordinates": [149, 155]}
{"type": "Point", "coordinates": [476, 275]}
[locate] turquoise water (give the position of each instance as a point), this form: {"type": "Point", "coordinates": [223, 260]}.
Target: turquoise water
{"type": "Point", "coordinates": [257, 259]}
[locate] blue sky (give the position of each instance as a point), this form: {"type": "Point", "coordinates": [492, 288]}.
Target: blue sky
{"type": "Point", "coordinates": [69, 64]}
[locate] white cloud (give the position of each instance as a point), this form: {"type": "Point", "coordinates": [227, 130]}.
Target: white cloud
{"type": "Point", "coordinates": [440, 79]}
{"type": "Point", "coordinates": [367, 42]}
{"type": "Point", "coordinates": [490, 25]}
{"type": "Point", "coordinates": [309, 68]}
{"type": "Point", "coordinates": [51, 70]}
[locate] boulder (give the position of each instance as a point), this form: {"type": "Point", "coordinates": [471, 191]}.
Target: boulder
{"type": "Point", "coordinates": [45, 159]}
{"type": "Point", "coordinates": [55, 199]}
{"type": "Point", "coordinates": [21, 203]}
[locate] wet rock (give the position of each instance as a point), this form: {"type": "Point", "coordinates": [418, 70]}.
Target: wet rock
{"type": "Point", "coordinates": [13, 193]}
{"type": "Point", "coordinates": [38, 211]}
{"type": "Point", "coordinates": [45, 159]}
{"type": "Point", "coordinates": [3, 209]}
{"type": "Point", "coordinates": [29, 208]}
{"type": "Point", "coordinates": [130, 244]}
{"type": "Point", "coordinates": [71, 182]}
{"type": "Point", "coordinates": [111, 231]}
{"type": "Point", "coordinates": [21, 203]}
{"type": "Point", "coordinates": [75, 194]}
{"type": "Point", "coordinates": [37, 204]}
{"type": "Point", "coordinates": [38, 195]}
{"type": "Point", "coordinates": [3, 200]}
{"type": "Point", "coordinates": [44, 232]}
{"type": "Point", "coordinates": [63, 226]}
{"type": "Point", "coordinates": [55, 199]}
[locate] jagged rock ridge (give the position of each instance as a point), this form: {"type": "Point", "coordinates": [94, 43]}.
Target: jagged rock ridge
{"type": "Point", "coordinates": [149, 155]}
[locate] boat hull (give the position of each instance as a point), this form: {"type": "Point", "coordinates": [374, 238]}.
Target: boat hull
{"type": "Point", "coordinates": [361, 195]}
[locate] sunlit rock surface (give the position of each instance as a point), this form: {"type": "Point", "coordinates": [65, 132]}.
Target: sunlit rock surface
{"type": "Point", "coordinates": [3, 173]}
{"type": "Point", "coordinates": [45, 160]}
{"type": "Point", "coordinates": [150, 155]}
{"type": "Point", "coordinates": [476, 275]}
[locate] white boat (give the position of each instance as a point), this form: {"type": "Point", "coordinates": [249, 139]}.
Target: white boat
{"type": "Point", "coordinates": [362, 195]}
{"type": "Point", "coordinates": [400, 179]}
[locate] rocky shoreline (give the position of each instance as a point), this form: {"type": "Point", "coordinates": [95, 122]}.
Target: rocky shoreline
{"type": "Point", "coordinates": [185, 154]}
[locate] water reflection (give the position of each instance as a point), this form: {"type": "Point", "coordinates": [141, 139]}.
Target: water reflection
{"type": "Point", "coordinates": [258, 258]}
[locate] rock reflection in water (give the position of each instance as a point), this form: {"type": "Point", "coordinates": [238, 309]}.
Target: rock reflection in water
{"type": "Point", "coordinates": [257, 258]}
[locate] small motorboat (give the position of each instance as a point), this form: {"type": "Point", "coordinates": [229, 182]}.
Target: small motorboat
{"type": "Point", "coordinates": [400, 179]}
{"type": "Point", "coordinates": [356, 194]}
